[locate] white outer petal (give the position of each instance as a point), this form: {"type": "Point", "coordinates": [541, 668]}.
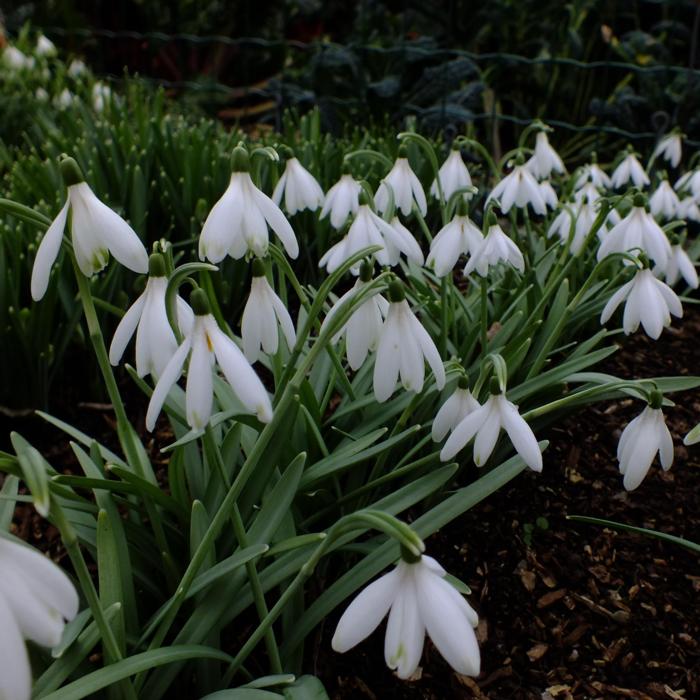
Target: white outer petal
{"type": "Point", "coordinates": [15, 672]}
{"type": "Point", "coordinates": [47, 253]}
{"type": "Point", "coordinates": [126, 329]}
{"type": "Point", "coordinates": [170, 375]}
{"type": "Point", "coordinates": [520, 435]}
{"type": "Point", "coordinates": [277, 221]}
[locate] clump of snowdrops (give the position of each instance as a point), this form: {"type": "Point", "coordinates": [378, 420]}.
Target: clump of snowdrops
{"type": "Point", "coordinates": [328, 431]}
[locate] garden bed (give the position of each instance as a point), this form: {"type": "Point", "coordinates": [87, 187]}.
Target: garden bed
{"type": "Point", "coordinates": [582, 611]}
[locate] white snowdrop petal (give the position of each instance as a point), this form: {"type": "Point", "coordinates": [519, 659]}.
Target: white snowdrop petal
{"type": "Point", "coordinates": [47, 253]}
{"type": "Point", "coordinates": [405, 633]}
{"type": "Point", "coordinates": [125, 330]}
{"type": "Point", "coordinates": [640, 459]}
{"type": "Point", "coordinates": [521, 435]}
{"type": "Point", "coordinates": [279, 188]}
{"type": "Point", "coordinates": [15, 672]}
{"type": "Point", "coordinates": [615, 300]}
{"type": "Point", "coordinates": [486, 437]}
{"type": "Point", "coordinates": [365, 612]}
{"type": "Point", "coordinates": [277, 221]}
{"type": "Point", "coordinates": [199, 392]}
{"type": "Point", "coordinates": [221, 225]}
{"type": "Point", "coordinates": [446, 417]}
{"type": "Point", "coordinates": [386, 365]}
{"type": "Point", "coordinates": [165, 382]}
{"type": "Point", "coordinates": [464, 431]}
{"type": "Point", "coordinates": [285, 320]}
{"type": "Point", "coordinates": [428, 349]}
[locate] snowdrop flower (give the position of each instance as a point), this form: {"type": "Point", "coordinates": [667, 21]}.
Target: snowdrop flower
{"type": "Point", "coordinates": [587, 194]}
{"type": "Point", "coordinates": [494, 249]}
{"type": "Point", "coordinates": [643, 437]}
{"type": "Point", "coordinates": [44, 46]}
{"type": "Point", "coordinates": [368, 229]}
{"type": "Point", "coordinates": [148, 318]}
{"type": "Point", "coordinates": [460, 404]}
{"type": "Point", "coordinates": [549, 196]}
{"type": "Point", "coordinates": [418, 600]}
{"type": "Point", "coordinates": [101, 95]}
{"type": "Point", "coordinates": [263, 312]}
{"type": "Point", "coordinates": [649, 302]}
{"type": "Point", "coordinates": [35, 599]}
{"type": "Point", "coordinates": [664, 203]}
{"type": "Point", "coordinates": [629, 170]}
{"type": "Point", "coordinates": [637, 231]}
{"type": "Point", "coordinates": [342, 200]}
{"type": "Point", "coordinates": [690, 181]}
{"type": "Point", "coordinates": [238, 222]}
{"type": "Point", "coordinates": [518, 188]}
{"type": "Point", "coordinates": [453, 175]}
{"type": "Point", "coordinates": [65, 99]}
{"type": "Point", "coordinates": [459, 237]}
{"type": "Point", "coordinates": [680, 265]}
{"type": "Point", "coordinates": [485, 423]}
{"type": "Point", "coordinates": [363, 329]}
{"type": "Point", "coordinates": [669, 148]}
{"type": "Point", "coordinates": [299, 187]}
{"type": "Point", "coordinates": [41, 95]}
{"type": "Point", "coordinates": [584, 220]}
{"type": "Point", "coordinates": [688, 209]}
{"type": "Point", "coordinates": [403, 345]}
{"type": "Point", "coordinates": [206, 344]}
{"type": "Point", "coordinates": [545, 159]}
{"type": "Point", "coordinates": [96, 231]}
{"type": "Point", "coordinates": [594, 174]}
{"type": "Point", "coordinates": [15, 59]}
{"type": "Point", "coordinates": [405, 186]}
{"type": "Point", "coordinates": [76, 68]}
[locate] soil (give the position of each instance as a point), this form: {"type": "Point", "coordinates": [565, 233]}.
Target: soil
{"type": "Point", "coordinates": [570, 610]}
{"type": "Point", "coordinates": [567, 610]}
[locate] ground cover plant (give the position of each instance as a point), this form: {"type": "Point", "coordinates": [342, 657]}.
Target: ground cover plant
{"type": "Point", "coordinates": [302, 300]}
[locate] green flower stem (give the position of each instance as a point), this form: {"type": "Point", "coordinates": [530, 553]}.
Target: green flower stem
{"type": "Point", "coordinates": [483, 330]}
{"type": "Point", "coordinates": [126, 432]}
{"type": "Point", "coordinates": [422, 224]}
{"type": "Point", "coordinates": [214, 453]}
{"type": "Point", "coordinates": [70, 541]}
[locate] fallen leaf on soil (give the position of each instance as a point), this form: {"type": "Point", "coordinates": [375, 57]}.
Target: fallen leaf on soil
{"type": "Point", "coordinates": [537, 652]}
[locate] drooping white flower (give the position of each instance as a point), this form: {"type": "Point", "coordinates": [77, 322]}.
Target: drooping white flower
{"type": "Point", "coordinates": [207, 345]}
{"type": "Point", "coordinates": [629, 170]}
{"type": "Point", "coordinates": [41, 94]}
{"type": "Point", "coordinates": [419, 600]}
{"type": "Point", "coordinates": [96, 231]}
{"type": "Point", "coordinates": [545, 159]}
{"type": "Point", "coordinates": [76, 68]}
{"type": "Point", "coordinates": [405, 186]}
{"type": "Point", "coordinates": [680, 265]}
{"type": "Point", "coordinates": [64, 99]}
{"type": "Point", "coordinates": [548, 194]}
{"type": "Point", "coordinates": [14, 59]}
{"type": "Point", "coordinates": [363, 329]}
{"type": "Point", "coordinates": [300, 188]}
{"type": "Point", "coordinates": [664, 203]}
{"type": "Point", "coordinates": [148, 318]}
{"type": "Point", "coordinates": [459, 237]}
{"type": "Point", "coordinates": [368, 229]}
{"type": "Point", "coordinates": [494, 249]}
{"type": "Point", "coordinates": [101, 96]}
{"type": "Point", "coordinates": [669, 148]}
{"type": "Point", "coordinates": [594, 174]}
{"type": "Point", "coordinates": [518, 188]}
{"type": "Point", "coordinates": [342, 200]}
{"type": "Point", "coordinates": [457, 407]}
{"type": "Point", "coordinates": [643, 437]}
{"type": "Point", "coordinates": [649, 302]}
{"type": "Point", "coordinates": [453, 176]}
{"type": "Point", "coordinates": [688, 209]}
{"type": "Point", "coordinates": [588, 193]}
{"type": "Point", "coordinates": [238, 222]}
{"type": "Point", "coordinates": [44, 46]}
{"type": "Point", "coordinates": [36, 598]}
{"type": "Point", "coordinates": [583, 217]}
{"type": "Point", "coordinates": [637, 231]}
{"type": "Point", "coordinates": [485, 423]}
{"type": "Point", "coordinates": [404, 347]}
{"type": "Point", "coordinates": [264, 314]}
{"type": "Point", "coordinates": [690, 182]}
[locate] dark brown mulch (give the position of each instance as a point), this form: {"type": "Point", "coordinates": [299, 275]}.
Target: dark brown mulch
{"type": "Point", "coordinates": [573, 610]}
